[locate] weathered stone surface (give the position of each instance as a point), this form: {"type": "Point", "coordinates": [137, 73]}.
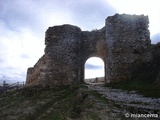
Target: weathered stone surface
{"type": "Point", "coordinates": [127, 38]}
{"type": "Point", "coordinates": [123, 44]}
{"type": "Point", "coordinates": [156, 62]}
{"type": "Point", "coordinates": [67, 50]}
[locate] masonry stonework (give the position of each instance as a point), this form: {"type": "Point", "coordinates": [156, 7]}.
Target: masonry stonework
{"type": "Point", "coordinates": [122, 44]}
{"type": "Point", "coordinates": [127, 38]}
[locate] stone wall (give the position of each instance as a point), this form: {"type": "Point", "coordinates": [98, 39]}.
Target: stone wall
{"type": "Point", "coordinates": [156, 62]}
{"type": "Point", "coordinates": [67, 49]}
{"type": "Point", "coordinates": [123, 44]}
{"type": "Point", "coordinates": [93, 45]}
{"type": "Point", "coordinates": [62, 57]}
{"type": "Point", "coordinates": [37, 73]}
{"type": "Point", "coordinates": [127, 38]}
{"type": "Point", "coordinates": [63, 44]}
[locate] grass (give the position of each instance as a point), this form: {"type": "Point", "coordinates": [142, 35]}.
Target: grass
{"type": "Point", "coordinates": [37, 103]}
{"type": "Point", "coordinates": [98, 96]}
{"type": "Point", "coordinates": [61, 103]}
{"type": "Point", "coordinates": [146, 88]}
{"type": "Point", "coordinates": [67, 102]}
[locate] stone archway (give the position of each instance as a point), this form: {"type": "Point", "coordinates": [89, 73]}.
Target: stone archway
{"type": "Point", "coordinates": [68, 48]}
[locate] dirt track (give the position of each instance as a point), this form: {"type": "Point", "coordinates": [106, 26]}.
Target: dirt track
{"type": "Point", "coordinates": [128, 101]}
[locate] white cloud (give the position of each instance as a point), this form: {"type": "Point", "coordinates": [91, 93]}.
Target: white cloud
{"type": "Point", "coordinates": [90, 14]}
{"type": "Point", "coordinates": [156, 38]}
{"type": "Point", "coordinates": [18, 51]}
{"type": "Point", "coordinates": [91, 72]}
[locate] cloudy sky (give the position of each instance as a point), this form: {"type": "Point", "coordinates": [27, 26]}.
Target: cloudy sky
{"type": "Point", "coordinates": [23, 24]}
{"type": "Point", "coordinates": [94, 67]}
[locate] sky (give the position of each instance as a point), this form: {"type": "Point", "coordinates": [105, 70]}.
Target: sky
{"type": "Point", "coordinates": [94, 67]}
{"type": "Point", "coordinates": [23, 24]}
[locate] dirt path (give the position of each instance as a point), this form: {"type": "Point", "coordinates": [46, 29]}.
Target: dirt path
{"type": "Point", "coordinates": [129, 102]}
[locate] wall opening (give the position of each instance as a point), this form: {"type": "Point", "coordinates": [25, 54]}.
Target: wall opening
{"type": "Point", "coordinates": [94, 70]}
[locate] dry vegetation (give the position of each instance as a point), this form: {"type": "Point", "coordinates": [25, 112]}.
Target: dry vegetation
{"type": "Point", "coordinates": [61, 103]}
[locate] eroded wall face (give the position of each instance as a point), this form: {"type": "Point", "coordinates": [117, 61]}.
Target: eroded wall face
{"type": "Point", "coordinates": [67, 49]}
{"type": "Point", "coordinates": [63, 44]}
{"type": "Point", "coordinates": [123, 44]}
{"type": "Point", "coordinates": [127, 38]}
{"type": "Point", "coordinates": [62, 57]}
{"type": "Point", "coordinates": [93, 44]}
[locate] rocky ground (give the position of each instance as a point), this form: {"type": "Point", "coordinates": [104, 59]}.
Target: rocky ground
{"type": "Point", "coordinates": [128, 102]}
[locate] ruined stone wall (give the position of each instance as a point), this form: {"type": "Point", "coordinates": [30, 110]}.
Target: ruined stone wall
{"type": "Point", "coordinates": [156, 62]}
{"type": "Point", "coordinates": [123, 44]}
{"type": "Point", "coordinates": [93, 45]}
{"type": "Point", "coordinates": [37, 73]}
{"type": "Point", "coordinates": [127, 38]}
{"type": "Point", "coordinates": [62, 57]}
{"type": "Point", "coordinates": [67, 50]}
{"type": "Point", "coordinates": [64, 46]}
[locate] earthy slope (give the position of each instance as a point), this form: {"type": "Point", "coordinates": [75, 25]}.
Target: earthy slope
{"type": "Point", "coordinates": [67, 102]}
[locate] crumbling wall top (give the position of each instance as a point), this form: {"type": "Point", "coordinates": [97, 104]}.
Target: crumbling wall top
{"type": "Point", "coordinates": [54, 32]}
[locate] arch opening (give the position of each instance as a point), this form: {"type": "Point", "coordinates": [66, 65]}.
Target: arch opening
{"type": "Point", "coordinates": [94, 71]}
